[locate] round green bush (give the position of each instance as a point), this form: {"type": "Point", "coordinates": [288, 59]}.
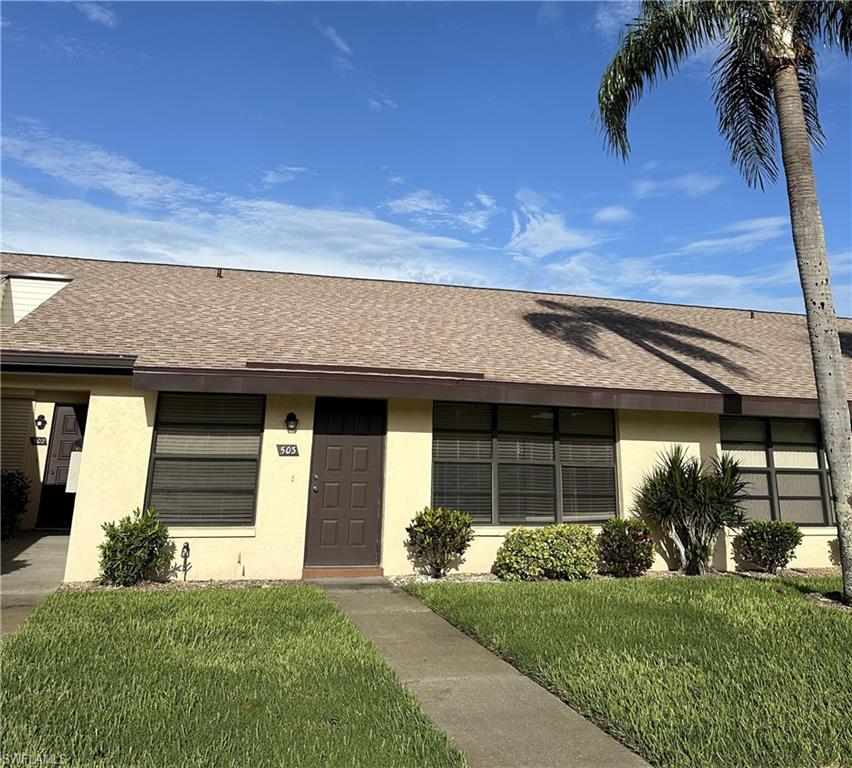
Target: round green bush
{"type": "Point", "coordinates": [625, 548]}
{"type": "Point", "coordinates": [135, 548]}
{"type": "Point", "coordinates": [768, 544]}
{"type": "Point", "coordinates": [561, 551]}
{"type": "Point", "coordinates": [438, 537]}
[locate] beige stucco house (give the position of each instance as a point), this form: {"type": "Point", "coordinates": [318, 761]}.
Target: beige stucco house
{"type": "Point", "coordinates": [288, 424]}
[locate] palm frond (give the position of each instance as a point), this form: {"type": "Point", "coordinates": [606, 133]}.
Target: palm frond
{"type": "Point", "coordinates": [836, 28]}
{"type": "Point", "coordinates": [806, 71]}
{"type": "Point", "coordinates": [744, 99]}
{"type": "Point", "coordinates": [653, 47]}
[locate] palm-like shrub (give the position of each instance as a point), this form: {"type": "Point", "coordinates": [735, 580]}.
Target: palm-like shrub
{"type": "Point", "coordinates": [690, 503]}
{"type": "Point", "coordinates": [438, 537]}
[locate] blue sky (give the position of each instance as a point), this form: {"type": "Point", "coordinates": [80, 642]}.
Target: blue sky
{"type": "Point", "coordinates": [420, 141]}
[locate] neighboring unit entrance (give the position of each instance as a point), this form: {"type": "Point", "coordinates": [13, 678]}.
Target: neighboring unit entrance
{"type": "Point", "coordinates": [345, 496]}
{"type": "Point", "coordinates": [66, 436]}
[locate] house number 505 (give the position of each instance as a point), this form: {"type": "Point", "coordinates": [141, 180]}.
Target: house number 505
{"type": "Point", "coordinates": [288, 450]}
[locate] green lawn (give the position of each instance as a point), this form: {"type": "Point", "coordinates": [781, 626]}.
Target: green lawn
{"type": "Point", "coordinates": [713, 672]}
{"type": "Point", "coordinates": [214, 677]}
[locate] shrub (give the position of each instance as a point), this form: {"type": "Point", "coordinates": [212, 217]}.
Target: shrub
{"type": "Point", "coordinates": [691, 504]}
{"type": "Point", "coordinates": [438, 537]}
{"type": "Point", "coordinates": [136, 547]}
{"type": "Point", "coordinates": [625, 548]}
{"type": "Point", "coordinates": [552, 552]}
{"type": "Point", "coordinates": [768, 544]}
{"type": "Point", "coordinates": [14, 497]}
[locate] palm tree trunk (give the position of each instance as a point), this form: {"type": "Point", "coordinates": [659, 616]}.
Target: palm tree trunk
{"type": "Point", "coordinates": [809, 243]}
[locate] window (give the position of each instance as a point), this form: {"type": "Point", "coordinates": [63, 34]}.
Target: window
{"type": "Point", "coordinates": [205, 459]}
{"type": "Point", "coordinates": [518, 464]}
{"type": "Point", "coordinates": [784, 466]}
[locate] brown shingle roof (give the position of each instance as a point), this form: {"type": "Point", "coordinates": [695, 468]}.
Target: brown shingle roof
{"type": "Point", "coordinates": [187, 317]}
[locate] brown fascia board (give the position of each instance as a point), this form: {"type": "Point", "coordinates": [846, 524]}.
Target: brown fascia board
{"type": "Point", "coordinates": [12, 361]}
{"type": "Point", "coordinates": [338, 384]}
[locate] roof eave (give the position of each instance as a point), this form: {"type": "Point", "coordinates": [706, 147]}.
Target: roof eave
{"type": "Point", "coordinates": [375, 385]}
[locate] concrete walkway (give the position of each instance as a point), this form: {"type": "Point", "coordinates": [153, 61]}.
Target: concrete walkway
{"type": "Point", "coordinates": [495, 715]}
{"type": "Point", "coordinates": [33, 566]}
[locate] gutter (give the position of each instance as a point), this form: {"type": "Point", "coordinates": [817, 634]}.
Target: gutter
{"type": "Point", "coordinates": [12, 361]}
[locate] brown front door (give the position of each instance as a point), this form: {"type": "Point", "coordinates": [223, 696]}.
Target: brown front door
{"type": "Point", "coordinates": [345, 497]}
{"type": "Point", "coordinates": [66, 436]}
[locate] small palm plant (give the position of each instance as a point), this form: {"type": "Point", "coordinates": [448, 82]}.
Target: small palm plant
{"type": "Point", "coordinates": [691, 504]}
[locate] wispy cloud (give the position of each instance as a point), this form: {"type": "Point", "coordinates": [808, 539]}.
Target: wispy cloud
{"type": "Point", "coordinates": [613, 214]}
{"type": "Point", "coordinates": [689, 184]}
{"type": "Point", "coordinates": [742, 236]}
{"type": "Point", "coordinates": [429, 209]}
{"type": "Point", "coordinates": [548, 14]}
{"type": "Point", "coordinates": [88, 166]}
{"type": "Point", "coordinates": [612, 16]}
{"type": "Point", "coordinates": [380, 102]}
{"type": "Point", "coordinates": [98, 13]}
{"type": "Point", "coordinates": [538, 231]}
{"type": "Point", "coordinates": [771, 287]}
{"type": "Point", "coordinates": [71, 47]}
{"type": "Point", "coordinates": [159, 218]}
{"type": "Point", "coordinates": [331, 34]}
{"type": "Point", "coordinates": [281, 174]}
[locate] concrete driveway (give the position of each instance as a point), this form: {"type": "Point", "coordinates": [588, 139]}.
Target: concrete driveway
{"type": "Point", "coordinates": [33, 566]}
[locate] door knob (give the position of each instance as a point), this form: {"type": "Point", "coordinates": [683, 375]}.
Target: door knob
{"type": "Point", "coordinates": [315, 489]}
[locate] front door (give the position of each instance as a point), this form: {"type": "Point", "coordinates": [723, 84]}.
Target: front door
{"type": "Point", "coordinates": [345, 497]}
{"type": "Point", "coordinates": [66, 436]}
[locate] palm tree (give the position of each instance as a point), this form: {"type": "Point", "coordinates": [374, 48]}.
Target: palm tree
{"type": "Point", "coordinates": [765, 84]}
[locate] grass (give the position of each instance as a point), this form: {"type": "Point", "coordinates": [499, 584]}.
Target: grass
{"type": "Point", "coordinates": [215, 677]}
{"type": "Point", "coordinates": [715, 672]}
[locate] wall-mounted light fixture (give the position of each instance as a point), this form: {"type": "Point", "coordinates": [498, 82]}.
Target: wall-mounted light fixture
{"type": "Point", "coordinates": [291, 421]}
{"type": "Point", "coordinates": [40, 421]}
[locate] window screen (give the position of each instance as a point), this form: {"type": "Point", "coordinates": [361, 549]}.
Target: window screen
{"type": "Point", "coordinates": [205, 459]}
{"type": "Point", "coordinates": [784, 467]}
{"type": "Point", "coordinates": [519, 464]}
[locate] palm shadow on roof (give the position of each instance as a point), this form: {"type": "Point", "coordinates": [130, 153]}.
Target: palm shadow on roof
{"type": "Point", "coordinates": [682, 346]}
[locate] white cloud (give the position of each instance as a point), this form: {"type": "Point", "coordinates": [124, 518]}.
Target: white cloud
{"type": "Point", "coordinates": [331, 34]}
{"type": "Point", "coordinates": [380, 102]}
{"type": "Point", "coordinates": [98, 14]}
{"type": "Point", "coordinates": [612, 16]}
{"type": "Point", "coordinates": [548, 14]}
{"type": "Point", "coordinates": [613, 214]}
{"type": "Point", "coordinates": [281, 174]}
{"type": "Point", "coordinates": [88, 166]}
{"type": "Point", "coordinates": [431, 210]}
{"type": "Point", "coordinates": [742, 236]}
{"type": "Point", "coordinates": [690, 184]}
{"type": "Point", "coordinates": [591, 273]}
{"type": "Point", "coordinates": [238, 232]}
{"type": "Point", "coordinates": [538, 232]}
{"type": "Point", "coordinates": [159, 218]}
